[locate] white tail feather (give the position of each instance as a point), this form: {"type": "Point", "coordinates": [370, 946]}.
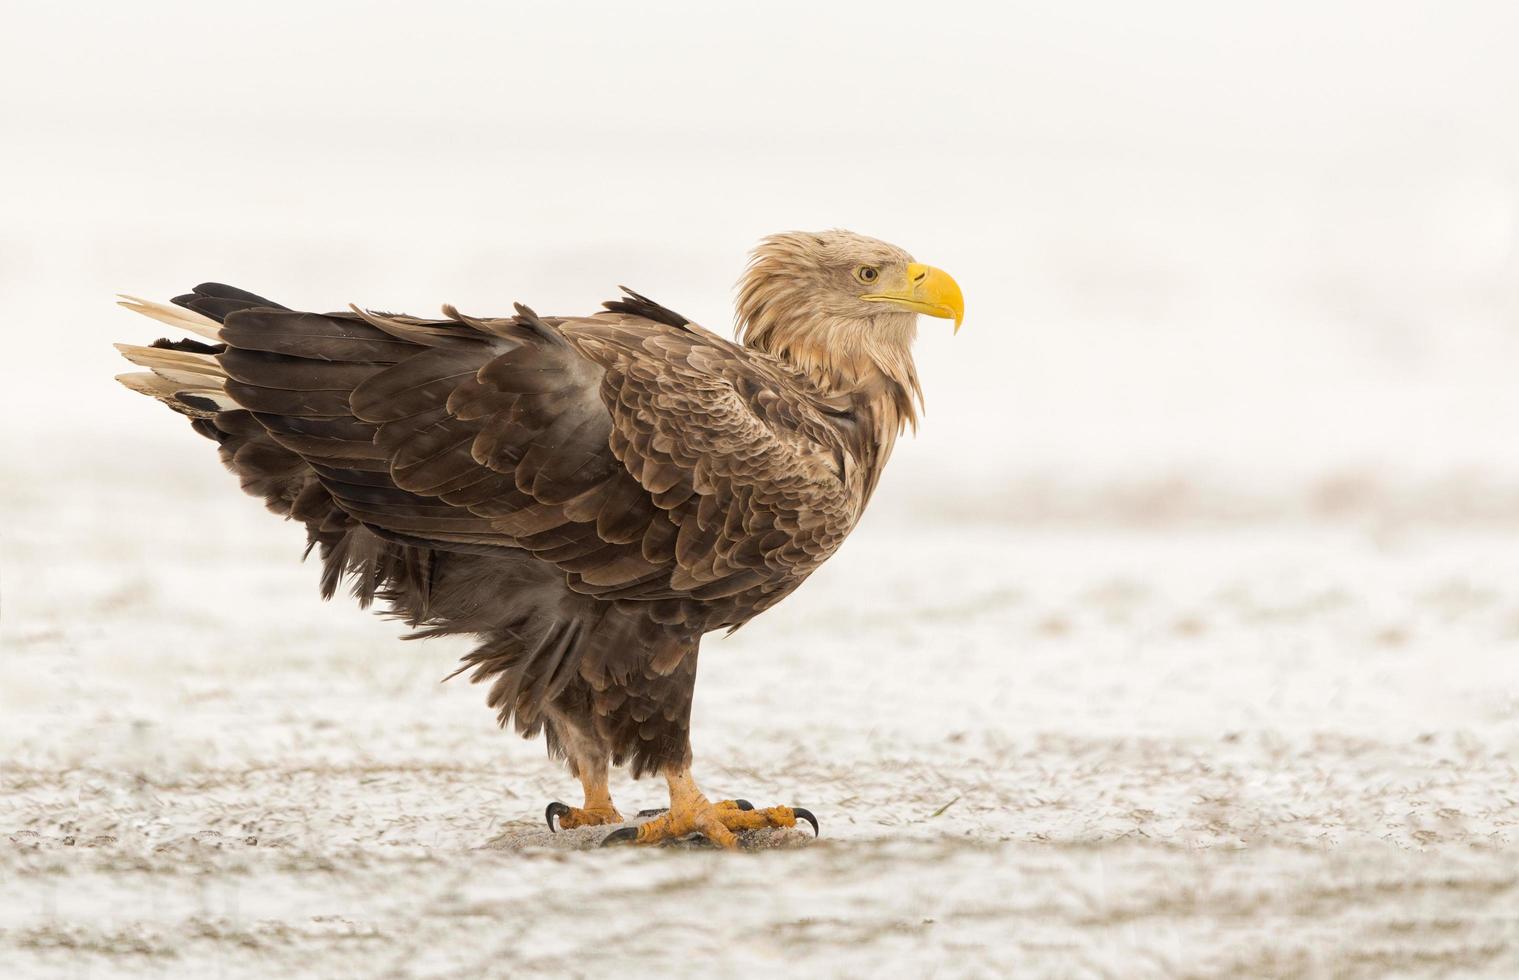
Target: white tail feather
{"type": "Point", "coordinates": [196, 401]}
{"type": "Point", "coordinates": [150, 384]}
{"type": "Point", "coordinates": [187, 366]}
{"type": "Point", "coordinates": [173, 316]}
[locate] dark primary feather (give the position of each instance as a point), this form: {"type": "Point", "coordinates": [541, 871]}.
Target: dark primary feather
{"type": "Point", "coordinates": [588, 495]}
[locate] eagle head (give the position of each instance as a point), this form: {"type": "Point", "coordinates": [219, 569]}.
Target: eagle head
{"type": "Point", "coordinates": [842, 307]}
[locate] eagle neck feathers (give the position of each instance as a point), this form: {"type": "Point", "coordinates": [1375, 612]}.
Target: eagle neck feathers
{"type": "Point", "coordinates": [865, 364]}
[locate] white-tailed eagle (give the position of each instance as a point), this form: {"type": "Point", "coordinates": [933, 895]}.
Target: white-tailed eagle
{"type": "Point", "coordinates": [586, 495]}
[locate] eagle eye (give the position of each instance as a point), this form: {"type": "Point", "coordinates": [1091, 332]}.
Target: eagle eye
{"type": "Point", "coordinates": [867, 274]}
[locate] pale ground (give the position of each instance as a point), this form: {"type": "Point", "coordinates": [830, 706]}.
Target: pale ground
{"type": "Point", "coordinates": [1252, 274]}
{"type": "Point", "coordinates": [1272, 748]}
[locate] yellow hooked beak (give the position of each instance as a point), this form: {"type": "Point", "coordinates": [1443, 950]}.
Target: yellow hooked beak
{"type": "Point", "coordinates": [928, 290]}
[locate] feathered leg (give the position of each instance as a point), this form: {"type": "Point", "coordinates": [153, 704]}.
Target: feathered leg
{"type": "Point", "coordinates": [692, 813]}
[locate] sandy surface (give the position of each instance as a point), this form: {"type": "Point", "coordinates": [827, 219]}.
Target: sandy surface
{"type": "Point", "coordinates": [1246, 277]}
{"type": "Point", "coordinates": [1264, 749]}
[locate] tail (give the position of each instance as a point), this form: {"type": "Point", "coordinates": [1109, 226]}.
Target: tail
{"type": "Point", "coordinates": [187, 376]}
{"type": "Point", "coordinates": [183, 374]}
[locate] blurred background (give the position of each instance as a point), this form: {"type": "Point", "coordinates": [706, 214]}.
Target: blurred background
{"type": "Point", "coordinates": [1219, 262]}
{"type": "Point", "coordinates": [1180, 641]}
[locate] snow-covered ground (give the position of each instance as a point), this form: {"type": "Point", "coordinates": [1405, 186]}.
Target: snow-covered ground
{"type": "Point", "coordinates": [1181, 642]}
{"type": "Point", "coordinates": [1192, 749]}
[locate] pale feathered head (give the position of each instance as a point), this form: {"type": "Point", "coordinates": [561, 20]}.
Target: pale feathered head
{"type": "Point", "coordinates": [843, 307]}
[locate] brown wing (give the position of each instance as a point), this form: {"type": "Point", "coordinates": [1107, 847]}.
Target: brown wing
{"type": "Point", "coordinates": [735, 456]}
{"type": "Point", "coordinates": [588, 495]}
{"type": "Point", "coordinates": [649, 462]}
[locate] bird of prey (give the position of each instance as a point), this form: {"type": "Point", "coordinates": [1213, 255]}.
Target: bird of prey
{"type": "Point", "coordinates": [587, 495]}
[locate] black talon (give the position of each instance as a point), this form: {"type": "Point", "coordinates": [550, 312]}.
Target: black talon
{"type": "Point", "coordinates": [807, 816]}
{"type": "Point", "coordinates": [743, 804]}
{"type": "Point", "coordinates": [653, 813]}
{"type": "Point", "coordinates": [620, 836]}
{"type": "Point", "coordinates": [555, 809]}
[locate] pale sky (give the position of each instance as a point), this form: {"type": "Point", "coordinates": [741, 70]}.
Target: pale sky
{"type": "Point", "coordinates": [1272, 241]}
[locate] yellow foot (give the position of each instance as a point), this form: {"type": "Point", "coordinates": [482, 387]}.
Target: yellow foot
{"type": "Point", "coordinates": [714, 821]}
{"type": "Point", "coordinates": [574, 816]}
{"type": "Point", "coordinates": [741, 804]}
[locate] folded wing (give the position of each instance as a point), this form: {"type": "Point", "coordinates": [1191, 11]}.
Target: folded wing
{"type": "Point", "coordinates": [648, 460]}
